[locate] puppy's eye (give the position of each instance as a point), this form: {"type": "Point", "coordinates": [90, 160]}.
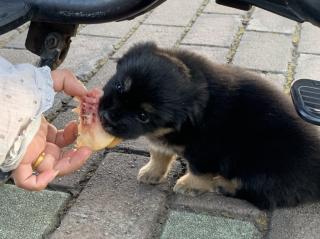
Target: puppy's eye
{"type": "Point", "coordinates": [118, 87]}
{"type": "Point", "coordinates": [142, 117]}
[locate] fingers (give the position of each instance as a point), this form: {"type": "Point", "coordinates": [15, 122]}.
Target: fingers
{"type": "Point", "coordinates": [24, 178]}
{"type": "Point", "coordinates": [72, 160]}
{"type": "Point", "coordinates": [51, 133]}
{"type": "Point", "coordinates": [65, 80]}
{"type": "Point", "coordinates": [68, 135]}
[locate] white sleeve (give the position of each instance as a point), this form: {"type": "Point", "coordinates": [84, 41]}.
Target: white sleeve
{"type": "Point", "coordinates": [25, 93]}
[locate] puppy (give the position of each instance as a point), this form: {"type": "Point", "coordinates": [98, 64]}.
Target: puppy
{"type": "Point", "coordinates": [239, 135]}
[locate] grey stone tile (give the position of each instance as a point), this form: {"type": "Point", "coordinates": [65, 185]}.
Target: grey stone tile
{"type": "Point", "coordinates": [263, 20]}
{"type": "Point", "coordinates": [264, 52]}
{"type": "Point", "coordinates": [213, 29]}
{"type": "Point", "coordinates": [29, 215]}
{"type": "Point", "coordinates": [181, 225]}
{"type": "Point", "coordinates": [213, 7]}
{"type": "Point", "coordinates": [164, 36]}
{"type": "Point", "coordinates": [174, 12]}
{"type": "Point", "coordinates": [18, 41]}
{"type": "Point", "coordinates": [4, 38]}
{"type": "Point", "coordinates": [309, 41]}
{"type": "Point", "coordinates": [308, 67]}
{"type": "Point", "coordinates": [17, 56]}
{"type": "Point", "coordinates": [87, 53]}
{"type": "Point", "coordinates": [215, 54]}
{"type": "Point", "coordinates": [114, 204]}
{"type": "Point", "coordinates": [296, 223]}
{"type": "Point", "coordinates": [111, 29]}
{"type": "Point", "coordinates": [222, 206]}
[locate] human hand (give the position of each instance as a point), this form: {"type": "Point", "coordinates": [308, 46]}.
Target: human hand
{"type": "Point", "coordinates": [64, 80]}
{"type": "Point", "coordinates": [49, 141]}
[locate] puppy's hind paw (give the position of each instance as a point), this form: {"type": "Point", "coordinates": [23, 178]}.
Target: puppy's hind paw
{"type": "Point", "coordinates": [186, 190]}
{"type": "Point", "coordinates": [192, 185]}
{"type": "Point", "coordinates": [150, 175]}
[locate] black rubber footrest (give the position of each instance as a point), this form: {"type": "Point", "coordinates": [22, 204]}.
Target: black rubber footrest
{"type": "Point", "coordinates": [305, 94]}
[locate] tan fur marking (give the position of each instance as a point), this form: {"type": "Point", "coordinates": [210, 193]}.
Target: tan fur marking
{"type": "Point", "coordinates": [156, 170]}
{"type": "Point", "coordinates": [229, 186]}
{"type": "Point", "coordinates": [193, 185]}
{"type": "Point", "coordinates": [160, 132]}
{"type": "Point", "coordinates": [147, 107]}
{"type": "Point", "coordinates": [183, 68]}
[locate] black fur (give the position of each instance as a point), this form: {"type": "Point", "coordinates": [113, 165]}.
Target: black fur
{"type": "Point", "coordinates": [228, 121]}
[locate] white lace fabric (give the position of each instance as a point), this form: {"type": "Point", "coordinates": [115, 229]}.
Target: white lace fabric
{"type": "Point", "coordinates": [25, 93]}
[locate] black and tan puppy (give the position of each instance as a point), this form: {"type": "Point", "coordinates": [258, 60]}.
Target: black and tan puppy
{"type": "Point", "coordinates": [239, 134]}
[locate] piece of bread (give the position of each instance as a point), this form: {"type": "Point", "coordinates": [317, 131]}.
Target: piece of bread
{"type": "Point", "coordinates": [90, 130]}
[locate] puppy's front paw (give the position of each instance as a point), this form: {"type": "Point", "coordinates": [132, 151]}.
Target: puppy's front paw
{"type": "Point", "coordinates": [150, 174]}
{"type": "Point", "coordinates": [192, 185]}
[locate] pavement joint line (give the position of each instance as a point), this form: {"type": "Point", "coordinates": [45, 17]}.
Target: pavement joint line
{"type": "Point", "coordinates": [268, 32]}
{"type": "Point", "coordinates": [93, 35]}
{"type": "Point", "coordinates": [221, 13]}
{"type": "Point", "coordinates": [309, 53]}
{"type": "Point", "coordinates": [130, 33]}
{"type": "Point", "coordinates": [205, 45]}
{"type": "Point", "coordinates": [265, 72]}
{"type": "Point", "coordinates": [13, 48]}
{"type": "Point", "coordinates": [292, 64]}
{"type": "Point", "coordinates": [162, 25]}
{"type": "Point", "coordinates": [267, 232]}
{"type": "Point", "coordinates": [125, 150]}
{"type": "Point", "coordinates": [191, 22]}
{"type": "Point", "coordinates": [238, 36]}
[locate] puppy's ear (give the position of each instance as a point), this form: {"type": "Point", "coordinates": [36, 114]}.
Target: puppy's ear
{"type": "Point", "coordinates": [139, 49]}
{"type": "Point", "coordinates": [178, 63]}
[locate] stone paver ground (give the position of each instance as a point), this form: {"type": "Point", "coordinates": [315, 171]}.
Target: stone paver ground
{"type": "Point", "coordinates": [104, 199]}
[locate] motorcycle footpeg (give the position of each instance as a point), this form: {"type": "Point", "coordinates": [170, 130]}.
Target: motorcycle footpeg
{"type": "Point", "coordinates": [305, 94]}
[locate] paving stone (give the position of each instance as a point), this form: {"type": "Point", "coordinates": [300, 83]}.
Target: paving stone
{"type": "Point", "coordinates": [164, 36]}
{"type": "Point", "coordinates": [174, 12]}
{"type": "Point", "coordinates": [181, 225]}
{"type": "Point", "coordinates": [273, 54]}
{"type": "Point", "coordinates": [308, 67]}
{"type": "Point", "coordinates": [71, 182]}
{"type": "Point", "coordinates": [17, 56]}
{"type": "Point", "coordinates": [25, 215]}
{"type": "Point", "coordinates": [219, 205]}
{"type": "Point", "coordinates": [4, 38]}
{"type": "Point", "coordinates": [114, 204]}
{"type": "Point", "coordinates": [87, 53]}
{"type": "Point", "coordinates": [18, 41]}
{"type": "Point", "coordinates": [111, 29]}
{"type": "Point", "coordinates": [215, 54]}
{"type": "Point", "coordinates": [309, 41]}
{"type": "Point", "coordinates": [263, 20]}
{"type": "Point", "coordinates": [59, 100]}
{"type": "Point", "coordinates": [103, 75]}
{"type": "Point", "coordinates": [296, 223]}
{"type": "Point", "coordinates": [140, 144]}
{"type": "Point", "coordinates": [213, 7]}
{"type": "Point", "coordinates": [213, 29]}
